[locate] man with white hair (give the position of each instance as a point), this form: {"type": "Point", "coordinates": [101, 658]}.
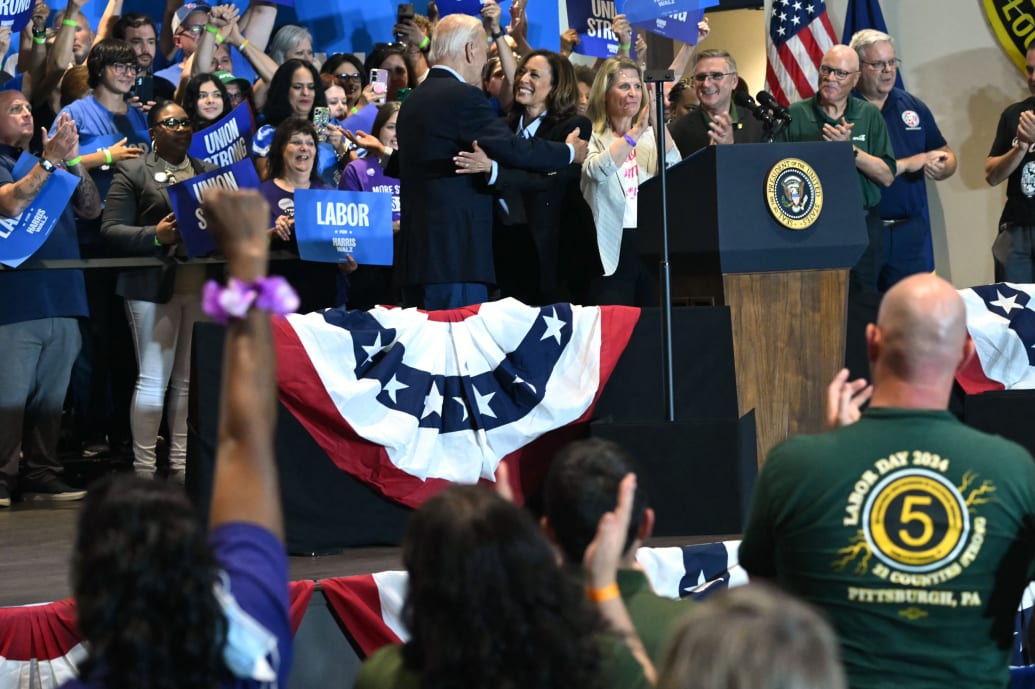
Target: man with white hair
{"type": "Point", "coordinates": [921, 153]}
{"type": "Point", "coordinates": [445, 256]}
{"type": "Point", "coordinates": [912, 531]}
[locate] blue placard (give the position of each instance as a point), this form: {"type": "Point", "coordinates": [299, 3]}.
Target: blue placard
{"type": "Point", "coordinates": [681, 26]}
{"type": "Point", "coordinates": [330, 224]}
{"type": "Point", "coordinates": [362, 120]}
{"type": "Point", "coordinates": [186, 197]}
{"type": "Point", "coordinates": [22, 235]}
{"type": "Point", "coordinates": [592, 20]}
{"type": "Point", "coordinates": [471, 7]}
{"type": "Point", "coordinates": [226, 141]}
{"type": "Point", "coordinates": [16, 14]}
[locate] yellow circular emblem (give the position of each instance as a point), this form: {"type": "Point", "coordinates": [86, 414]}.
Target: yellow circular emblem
{"type": "Point", "coordinates": [916, 520]}
{"type": "Point", "coordinates": [794, 194]}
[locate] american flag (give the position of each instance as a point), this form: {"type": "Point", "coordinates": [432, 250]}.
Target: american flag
{"type": "Point", "coordinates": [1001, 322]}
{"type": "Point", "coordinates": [799, 33]}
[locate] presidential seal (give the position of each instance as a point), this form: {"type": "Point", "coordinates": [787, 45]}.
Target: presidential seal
{"type": "Point", "coordinates": [794, 194]}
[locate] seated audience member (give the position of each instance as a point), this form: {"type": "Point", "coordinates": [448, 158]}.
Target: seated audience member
{"type": "Point", "coordinates": [536, 209]}
{"type": "Point", "coordinates": [139, 31]}
{"type": "Point", "coordinates": [160, 603]}
{"type": "Point", "coordinates": [622, 155]}
{"type": "Point", "coordinates": [581, 486]}
{"type": "Point", "coordinates": [751, 637]}
{"type": "Point", "coordinates": [205, 100]}
{"type": "Point", "coordinates": [715, 119]}
{"type": "Point", "coordinates": [294, 91]}
{"type": "Point", "coordinates": [292, 166]}
{"type": "Point", "coordinates": [488, 603]}
{"type": "Point", "coordinates": [162, 303]}
{"type": "Point", "coordinates": [913, 532]}
{"type": "Point", "coordinates": [373, 285]}
{"type": "Point", "coordinates": [39, 335]}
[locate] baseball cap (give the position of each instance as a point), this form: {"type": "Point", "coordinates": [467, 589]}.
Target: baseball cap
{"type": "Point", "coordinates": [227, 78]}
{"type": "Point", "coordinates": [185, 11]}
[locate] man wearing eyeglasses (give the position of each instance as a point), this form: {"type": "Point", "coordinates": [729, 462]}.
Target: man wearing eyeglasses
{"type": "Point", "coordinates": [833, 114]}
{"type": "Point", "coordinates": [187, 24]}
{"type": "Point", "coordinates": [921, 153]}
{"type": "Point", "coordinates": [715, 120]}
{"type": "Point", "coordinates": [1012, 159]}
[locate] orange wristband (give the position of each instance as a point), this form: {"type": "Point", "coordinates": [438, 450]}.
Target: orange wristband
{"type": "Point", "coordinates": [606, 593]}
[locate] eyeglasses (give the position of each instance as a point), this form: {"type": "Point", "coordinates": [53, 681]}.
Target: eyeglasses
{"type": "Point", "coordinates": [354, 76]}
{"type": "Point", "coordinates": [175, 123]}
{"type": "Point", "coordinates": [714, 76]}
{"type": "Point", "coordinates": [123, 68]}
{"type": "Point", "coordinates": [193, 30]}
{"type": "Point", "coordinates": [880, 65]}
{"type": "Point", "coordinates": [838, 74]}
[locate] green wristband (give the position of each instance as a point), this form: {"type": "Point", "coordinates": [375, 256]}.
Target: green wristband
{"type": "Point", "coordinates": [70, 22]}
{"type": "Point", "coordinates": [107, 156]}
{"type": "Point", "coordinates": [425, 43]}
{"type": "Point", "coordinates": [38, 41]}
{"type": "Point", "coordinates": [74, 161]}
{"type": "Point", "coordinates": [157, 243]}
{"type": "Point", "coordinates": [624, 46]}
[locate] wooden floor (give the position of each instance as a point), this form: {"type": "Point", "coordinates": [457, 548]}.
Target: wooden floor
{"type": "Point", "coordinates": [36, 541]}
{"type": "Point", "coordinates": [35, 544]}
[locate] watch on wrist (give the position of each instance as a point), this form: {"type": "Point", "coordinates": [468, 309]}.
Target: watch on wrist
{"type": "Point", "coordinates": [497, 35]}
{"type": "Point", "coordinates": [47, 165]}
{"type": "Point", "coordinates": [39, 33]}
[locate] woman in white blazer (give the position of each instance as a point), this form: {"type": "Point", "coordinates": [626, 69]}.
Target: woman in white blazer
{"type": "Point", "coordinates": [622, 154]}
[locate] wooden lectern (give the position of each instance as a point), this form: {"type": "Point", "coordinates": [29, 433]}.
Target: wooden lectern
{"type": "Point", "coordinates": [786, 288]}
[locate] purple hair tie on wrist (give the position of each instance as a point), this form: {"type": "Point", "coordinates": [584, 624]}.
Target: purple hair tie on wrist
{"type": "Point", "coordinates": [272, 294]}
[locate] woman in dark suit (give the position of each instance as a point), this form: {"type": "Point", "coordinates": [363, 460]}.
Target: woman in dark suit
{"type": "Point", "coordinates": [528, 240]}
{"type": "Point", "coordinates": [162, 303]}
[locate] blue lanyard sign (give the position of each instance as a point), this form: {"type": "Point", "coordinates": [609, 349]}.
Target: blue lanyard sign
{"type": "Point", "coordinates": [22, 235]}
{"type": "Point", "coordinates": [332, 224]}
{"type": "Point", "coordinates": [186, 198]}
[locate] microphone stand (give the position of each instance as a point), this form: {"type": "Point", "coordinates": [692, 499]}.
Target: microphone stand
{"type": "Point", "coordinates": [659, 77]}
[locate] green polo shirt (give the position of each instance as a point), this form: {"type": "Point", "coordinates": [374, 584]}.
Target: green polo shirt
{"type": "Point", "coordinates": [869, 134]}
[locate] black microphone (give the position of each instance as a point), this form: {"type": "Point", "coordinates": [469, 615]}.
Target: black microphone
{"type": "Point", "coordinates": [744, 100]}
{"type": "Point", "coordinates": [767, 101]}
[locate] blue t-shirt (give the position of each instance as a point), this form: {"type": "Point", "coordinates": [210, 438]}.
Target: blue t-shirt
{"type": "Point", "coordinates": [912, 130]}
{"type": "Point", "coordinates": [172, 73]}
{"type": "Point", "coordinates": [100, 128]}
{"type": "Point", "coordinates": [258, 570]}
{"type": "Point", "coordinates": [34, 294]}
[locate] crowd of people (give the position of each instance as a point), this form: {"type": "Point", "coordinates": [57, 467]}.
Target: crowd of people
{"type": "Point", "coordinates": [512, 173]}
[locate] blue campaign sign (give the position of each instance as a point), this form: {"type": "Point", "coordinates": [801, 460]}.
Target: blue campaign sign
{"type": "Point", "coordinates": [362, 120]}
{"type": "Point", "coordinates": [16, 14]}
{"type": "Point", "coordinates": [681, 26]}
{"type": "Point", "coordinates": [592, 20]}
{"type": "Point", "coordinates": [186, 198]}
{"type": "Point", "coordinates": [330, 224]}
{"type": "Point", "coordinates": [471, 7]}
{"type": "Point", "coordinates": [642, 11]}
{"type": "Point", "coordinates": [23, 234]}
{"type": "Point", "coordinates": [226, 141]}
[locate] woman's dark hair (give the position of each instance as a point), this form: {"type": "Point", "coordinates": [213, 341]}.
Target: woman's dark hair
{"type": "Point", "coordinates": [384, 113]}
{"type": "Point", "coordinates": [143, 576]}
{"type": "Point", "coordinates": [188, 99]}
{"type": "Point", "coordinates": [676, 92]}
{"type": "Point", "coordinates": [281, 137]}
{"type": "Point", "coordinates": [107, 52]}
{"type": "Point", "coordinates": [333, 67]}
{"type": "Point", "coordinates": [488, 603]}
{"type": "Point", "coordinates": [278, 107]}
{"type": "Point", "coordinates": [380, 53]}
{"type": "Point", "coordinates": [564, 91]}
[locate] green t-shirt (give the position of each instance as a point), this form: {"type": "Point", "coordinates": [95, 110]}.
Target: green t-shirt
{"type": "Point", "coordinates": [913, 532]}
{"type": "Point", "coordinates": [869, 134]}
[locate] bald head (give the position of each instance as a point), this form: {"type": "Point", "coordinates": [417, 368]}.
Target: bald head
{"type": "Point", "coordinates": [921, 332]}
{"type": "Point", "coordinates": [459, 42]}
{"type": "Point", "coordinates": [835, 89]}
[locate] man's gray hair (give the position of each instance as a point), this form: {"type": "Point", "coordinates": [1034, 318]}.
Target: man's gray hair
{"type": "Point", "coordinates": [866, 38]}
{"type": "Point", "coordinates": [716, 54]}
{"type": "Point", "coordinates": [452, 33]}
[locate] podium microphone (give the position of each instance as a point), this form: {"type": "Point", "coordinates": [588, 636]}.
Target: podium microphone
{"type": "Point", "coordinates": [744, 100]}
{"type": "Point", "coordinates": [767, 101]}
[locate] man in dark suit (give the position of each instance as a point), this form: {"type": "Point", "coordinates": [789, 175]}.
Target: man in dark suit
{"type": "Point", "coordinates": [445, 256]}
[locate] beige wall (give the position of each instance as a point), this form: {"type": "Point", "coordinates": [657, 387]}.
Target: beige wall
{"type": "Point", "coordinates": [952, 61]}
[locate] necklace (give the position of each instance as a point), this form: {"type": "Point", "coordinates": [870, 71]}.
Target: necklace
{"type": "Point", "coordinates": [169, 173]}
